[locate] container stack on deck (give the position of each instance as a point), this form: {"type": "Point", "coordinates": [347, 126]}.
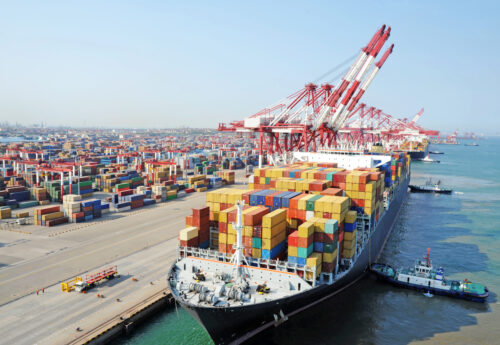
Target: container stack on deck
{"type": "Point", "coordinates": [308, 214]}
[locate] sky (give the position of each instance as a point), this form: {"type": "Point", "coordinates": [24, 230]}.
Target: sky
{"type": "Point", "coordinates": [158, 64]}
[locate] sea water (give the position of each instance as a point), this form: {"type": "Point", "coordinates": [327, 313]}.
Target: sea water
{"type": "Point", "coordinates": [463, 232]}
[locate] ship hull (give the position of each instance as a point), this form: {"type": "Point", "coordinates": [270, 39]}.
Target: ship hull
{"type": "Point", "coordinates": [417, 154]}
{"type": "Point", "coordinates": [417, 189]}
{"type": "Point", "coordinates": [233, 325]}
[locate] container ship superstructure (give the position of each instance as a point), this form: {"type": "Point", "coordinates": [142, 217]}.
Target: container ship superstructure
{"type": "Point", "coordinates": [300, 234]}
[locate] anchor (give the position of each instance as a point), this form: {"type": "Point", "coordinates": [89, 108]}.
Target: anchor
{"type": "Point", "coordinates": [278, 320]}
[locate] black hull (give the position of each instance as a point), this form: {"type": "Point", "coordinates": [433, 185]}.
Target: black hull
{"type": "Point", "coordinates": [234, 325]}
{"type": "Point", "coordinates": [417, 189]}
{"type": "Point", "coordinates": [418, 154]}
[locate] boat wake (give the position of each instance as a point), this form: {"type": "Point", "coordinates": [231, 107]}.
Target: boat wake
{"type": "Point", "coordinates": [428, 294]}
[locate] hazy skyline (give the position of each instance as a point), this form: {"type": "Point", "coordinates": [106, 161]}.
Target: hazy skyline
{"type": "Point", "coordinates": [166, 64]}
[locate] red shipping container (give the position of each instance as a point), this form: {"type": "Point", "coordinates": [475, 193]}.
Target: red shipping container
{"type": "Point", "coordinates": [223, 228]}
{"type": "Point", "coordinates": [332, 191]}
{"type": "Point", "coordinates": [341, 236]}
{"type": "Point", "coordinates": [189, 190]}
{"type": "Point", "coordinates": [204, 236]}
{"type": "Point", "coordinates": [272, 183]}
{"type": "Point", "coordinates": [255, 217]}
{"type": "Point", "coordinates": [125, 192]}
{"type": "Point", "coordinates": [78, 215]}
{"type": "Point", "coordinates": [294, 202]}
{"type": "Point", "coordinates": [48, 210]}
{"type": "Point", "coordinates": [189, 220]}
{"type": "Point", "coordinates": [328, 266]}
{"type": "Point", "coordinates": [56, 221]}
{"type": "Point", "coordinates": [304, 242]}
{"type": "Point", "coordinates": [361, 203]}
{"type": "Point", "coordinates": [201, 212]}
{"type": "Point", "coordinates": [318, 237]}
{"type": "Point", "coordinates": [327, 215]}
{"type": "Point", "coordinates": [246, 196]}
{"type": "Point", "coordinates": [361, 187]}
{"type": "Point", "coordinates": [196, 221]}
{"type": "Point", "coordinates": [222, 247]}
{"type": "Point", "coordinates": [205, 227]}
{"type": "Point", "coordinates": [269, 198]}
{"type": "Point", "coordinates": [231, 216]}
{"type": "Point", "coordinates": [293, 239]}
{"type": "Point", "coordinates": [301, 214]}
{"type": "Point", "coordinates": [193, 242]}
{"type": "Point", "coordinates": [247, 241]}
{"type": "Point", "coordinates": [329, 238]}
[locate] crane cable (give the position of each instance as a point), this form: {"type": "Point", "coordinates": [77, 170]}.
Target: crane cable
{"type": "Point", "coordinates": [336, 68]}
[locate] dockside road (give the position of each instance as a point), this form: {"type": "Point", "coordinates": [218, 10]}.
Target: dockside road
{"type": "Point", "coordinates": [52, 317]}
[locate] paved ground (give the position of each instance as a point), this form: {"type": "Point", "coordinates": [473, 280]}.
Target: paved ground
{"type": "Point", "coordinates": [141, 243]}
{"type": "Point", "coordinates": [53, 316]}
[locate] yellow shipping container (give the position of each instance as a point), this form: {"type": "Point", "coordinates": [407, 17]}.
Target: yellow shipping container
{"type": "Point", "coordinates": [248, 231]}
{"type": "Point", "coordinates": [370, 186]}
{"type": "Point", "coordinates": [314, 259]}
{"type": "Point", "coordinates": [53, 215]}
{"type": "Point", "coordinates": [187, 233]}
{"type": "Point", "coordinates": [351, 216]}
{"type": "Point", "coordinates": [348, 244]}
{"type": "Point", "coordinates": [350, 236]}
{"type": "Point", "coordinates": [222, 238]}
{"type": "Point", "coordinates": [330, 257]}
{"type": "Point", "coordinates": [223, 214]}
{"type": "Point", "coordinates": [306, 229]}
{"type": "Point", "coordinates": [274, 218]}
{"type": "Point", "coordinates": [292, 251]}
{"type": "Point", "coordinates": [319, 225]}
{"type": "Point", "coordinates": [292, 223]}
{"type": "Point", "coordinates": [273, 242]}
{"type": "Point", "coordinates": [6, 213]}
{"type": "Point", "coordinates": [231, 238]}
{"type": "Point", "coordinates": [303, 202]}
{"type": "Point", "coordinates": [275, 230]}
{"type": "Point", "coordinates": [348, 253]}
{"type": "Point", "coordinates": [256, 253]}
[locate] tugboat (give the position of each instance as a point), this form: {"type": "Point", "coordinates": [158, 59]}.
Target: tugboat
{"type": "Point", "coordinates": [430, 187]}
{"type": "Point", "coordinates": [436, 152]}
{"type": "Point", "coordinates": [423, 277]}
{"type": "Point", "coordinates": [473, 144]}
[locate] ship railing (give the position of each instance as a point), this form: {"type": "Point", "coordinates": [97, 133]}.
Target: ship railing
{"type": "Point", "coordinates": [305, 272]}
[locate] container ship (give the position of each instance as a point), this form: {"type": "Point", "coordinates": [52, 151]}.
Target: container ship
{"type": "Point", "coordinates": [302, 233]}
{"type": "Point", "coordinates": [416, 149]}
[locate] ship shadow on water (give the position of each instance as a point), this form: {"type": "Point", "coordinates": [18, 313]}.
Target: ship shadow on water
{"type": "Point", "coordinates": [372, 312]}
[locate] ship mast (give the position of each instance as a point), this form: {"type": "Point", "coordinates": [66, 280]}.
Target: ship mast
{"type": "Point", "coordinates": [238, 258]}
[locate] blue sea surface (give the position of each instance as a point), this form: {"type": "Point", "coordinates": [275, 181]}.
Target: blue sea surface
{"type": "Point", "coordinates": [463, 232]}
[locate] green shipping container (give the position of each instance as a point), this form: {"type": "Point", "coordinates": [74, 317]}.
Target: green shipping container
{"type": "Point", "coordinates": [310, 202]}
